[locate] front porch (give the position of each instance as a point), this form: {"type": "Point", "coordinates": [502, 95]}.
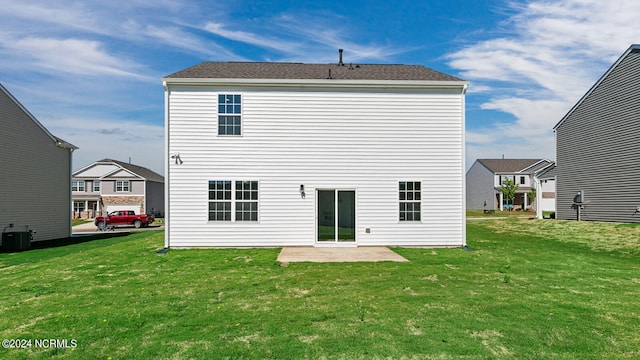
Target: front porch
{"type": "Point", "coordinates": [521, 202]}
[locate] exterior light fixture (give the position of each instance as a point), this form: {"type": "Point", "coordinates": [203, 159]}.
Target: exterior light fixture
{"type": "Point", "coordinates": [302, 194]}
{"type": "Point", "coordinates": [177, 158]}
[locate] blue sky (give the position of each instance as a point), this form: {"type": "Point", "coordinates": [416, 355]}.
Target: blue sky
{"type": "Point", "coordinates": [90, 70]}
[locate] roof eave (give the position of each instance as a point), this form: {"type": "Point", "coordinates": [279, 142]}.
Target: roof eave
{"type": "Point", "coordinates": [56, 140]}
{"type": "Point", "coordinates": [330, 83]}
{"type": "Point", "coordinates": [615, 64]}
{"type": "Point", "coordinates": [65, 145]}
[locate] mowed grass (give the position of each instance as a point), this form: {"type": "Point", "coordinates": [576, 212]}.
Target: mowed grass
{"type": "Point", "coordinates": [532, 289]}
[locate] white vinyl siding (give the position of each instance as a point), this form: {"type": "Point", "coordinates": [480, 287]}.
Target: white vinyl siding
{"type": "Point", "coordinates": [323, 139]}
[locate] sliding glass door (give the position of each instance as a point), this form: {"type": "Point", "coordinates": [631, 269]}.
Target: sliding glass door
{"type": "Point", "coordinates": [336, 216]}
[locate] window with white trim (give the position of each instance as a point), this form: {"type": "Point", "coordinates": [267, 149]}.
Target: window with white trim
{"type": "Point", "coordinates": [77, 185]}
{"type": "Point", "coordinates": [410, 197]}
{"type": "Point", "coordinates": [78, 206]}
{"type": "Point", "coordinates": [233, 200]}
{"type": "Point", "coordinates": [123, 186]}
{"type": "Point", "coordinates": [229, 114]}
{"type": "Point", "coordinates": [246, 201]}
{"type": "Point", "coordinates": [96, 185]}
{"type": "Point", "coordinates": [219, 200]}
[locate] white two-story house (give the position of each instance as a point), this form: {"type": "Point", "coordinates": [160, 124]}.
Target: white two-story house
{"type": "Point", "coordinates": [291, 154]}
{"type": "Point", "coordinates": [108, 185]}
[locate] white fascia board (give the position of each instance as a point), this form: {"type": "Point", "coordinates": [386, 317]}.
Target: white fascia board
{"type": "Point", "coordinates": [323, 83]}
{"type": "Point", "coordinates": [121, 168]}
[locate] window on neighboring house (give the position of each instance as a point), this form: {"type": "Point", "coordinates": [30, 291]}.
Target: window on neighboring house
{"type": "Point", "coordinates": [77, 185]}
{"type": "Point", "coordinates": [521, 180]}
{"type": "Point", "coordinates": [229, 114]}
{"type": "Point", "coordinates": [409, 200]}
{"type": "Point", "coordinates": [96, 185]}
{"type": "Point", "coordinates": [246, 201]}
{"type": "Point", "coordinates": [122, 186]}
{"type": "Point", "coordinates": [78, 206]}
{"type": "Point", "coordinates": [220, 200]}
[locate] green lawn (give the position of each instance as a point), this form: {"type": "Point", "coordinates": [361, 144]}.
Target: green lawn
{"type": "Point", "coordinates": [75, 222]}
{"type": "Point", "coordinates": [532, 289]}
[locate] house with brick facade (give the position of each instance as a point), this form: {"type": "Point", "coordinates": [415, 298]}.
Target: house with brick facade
{"type": "Point", "coordinates": [109, 185]}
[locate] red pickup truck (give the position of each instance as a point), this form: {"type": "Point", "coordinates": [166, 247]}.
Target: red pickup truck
{"type": "Point", "coordinates": [123, 217]}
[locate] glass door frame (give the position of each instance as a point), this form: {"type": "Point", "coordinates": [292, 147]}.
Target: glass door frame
{"type": "Point", "coordinates": [336, 213]}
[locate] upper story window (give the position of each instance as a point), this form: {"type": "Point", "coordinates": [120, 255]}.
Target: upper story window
{"type": "Point", "coordinates": [77, 185]}
{"type": "Point", "coordinates": [522, 181]}
{"type": "Point", "coordinates": [123, 186]}
{"type": "Point", "coordinates": [96, 185]}
{"type": "Point", "coordinates": [503, 178]}
{"type": "Point", "coordinates": [410, 200]}
{"type": "Point", "coordinates": [229, 114]}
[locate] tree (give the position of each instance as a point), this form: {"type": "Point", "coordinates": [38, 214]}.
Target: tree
{"type": "Point", "coordinates": [532, 195]}
{"type": "Point", "coordinates": [509, 188]}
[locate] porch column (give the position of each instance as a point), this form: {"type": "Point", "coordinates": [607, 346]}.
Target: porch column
{"type": "Point", "coordinates": [525, 201]}
{"type": "Point", "coordinates": [86, 209]}
{"type": "Point", "coordinates": [501, 201]}
{"type": "Point", "coordinates": [539, 214]}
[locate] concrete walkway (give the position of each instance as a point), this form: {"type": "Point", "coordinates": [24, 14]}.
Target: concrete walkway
{"type": "Point", "coordinates": [338, 254]}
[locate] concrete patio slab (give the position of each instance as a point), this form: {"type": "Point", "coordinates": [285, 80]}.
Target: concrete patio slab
{"type": "Point", "coordinates": [338, 254]}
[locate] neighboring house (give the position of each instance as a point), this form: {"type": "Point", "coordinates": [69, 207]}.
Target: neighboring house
{"type": "Point", "coordinates": [598, 148]}
{"type": "Point", "coordinates": [275, 154]}
{"type": "Point", "coordinates": [109, 185]}
{"type": "Point", "coordinates": [35, 175]}
{"type": "Point", "coordinates": [485, 177]}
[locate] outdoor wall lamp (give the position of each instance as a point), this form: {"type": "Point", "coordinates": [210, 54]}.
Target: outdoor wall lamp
{"type": "Point", "coordinates": [177, 158]}
{"type": "Point", "coordinates": [302, 194]}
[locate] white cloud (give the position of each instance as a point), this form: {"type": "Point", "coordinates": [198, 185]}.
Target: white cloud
{"type": "Point", "coordinates": [112, 138]}
{"type": "Point", "coordinates": [250, 38]}
{"type": "Point", "coordinates": [75, 56]}
{"type": "Point", "coordinates": [178, 38]}
{"type": "Point", "coordinates": [547, 56]}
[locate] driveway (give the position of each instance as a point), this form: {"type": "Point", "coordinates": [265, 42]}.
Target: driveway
{"type": "Point", "coordinates": [90, 228]}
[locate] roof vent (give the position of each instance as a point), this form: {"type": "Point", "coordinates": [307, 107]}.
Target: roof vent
{"type": "Point", "coordinates": [340, 62]}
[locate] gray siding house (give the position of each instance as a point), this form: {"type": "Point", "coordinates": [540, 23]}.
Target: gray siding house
{"type": "Point", "coordinates": [109, 185]}
{"type": "Point", "coordinates": [598, 148]}
{"type": "Point", "coordinates": [484, 178]}
{"type": "Point", "coordinates": [35, 175]}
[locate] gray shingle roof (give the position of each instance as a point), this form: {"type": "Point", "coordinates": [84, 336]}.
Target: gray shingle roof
{"type": "Point", "coordinates": [264, 70]}
{"type": "Point", "coordinates": [150, 175]}
{"type": "Point", "coordinates": [508, 165]}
